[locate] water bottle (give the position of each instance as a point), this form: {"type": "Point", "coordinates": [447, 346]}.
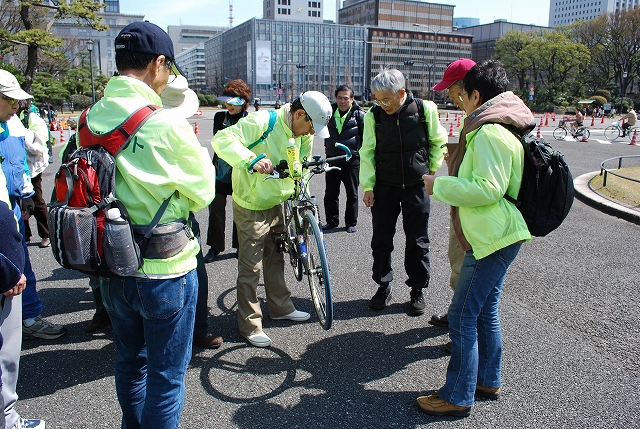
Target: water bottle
{"type": "Point", "coordinates": [120, 249]}
{"type": "Point", "coordinates": [293, 154]}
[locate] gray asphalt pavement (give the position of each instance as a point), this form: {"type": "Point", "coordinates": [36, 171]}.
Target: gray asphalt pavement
{"type": "Point", "coordinates": [570, 315]}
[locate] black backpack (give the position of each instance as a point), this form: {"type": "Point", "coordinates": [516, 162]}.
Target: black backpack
{"type": "Point", "coordinates": [547, 191]}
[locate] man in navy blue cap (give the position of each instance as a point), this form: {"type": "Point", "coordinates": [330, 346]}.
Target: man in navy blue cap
{"type": "Point", "coordinates": [152, 312]}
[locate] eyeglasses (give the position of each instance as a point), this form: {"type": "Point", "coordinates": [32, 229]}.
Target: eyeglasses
{"type": "Point", "coordinates": [460, 96]}
{"type": "Point", "coordinates": [10, 100]}
{"type": "Point", "coordinates": [384, 103]}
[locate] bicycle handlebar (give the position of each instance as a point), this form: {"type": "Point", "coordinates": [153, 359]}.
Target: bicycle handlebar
{"type": "Point", "coordinates": [325, 164]}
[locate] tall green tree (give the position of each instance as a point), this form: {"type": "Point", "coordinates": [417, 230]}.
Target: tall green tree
{"type": "Point", "coordinates": [510, 51]}
{"type": "Point", "coordinates": [27, 27]}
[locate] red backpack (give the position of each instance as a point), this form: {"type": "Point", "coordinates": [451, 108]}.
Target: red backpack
{"type": "Point", "coordinates": [84, 187]}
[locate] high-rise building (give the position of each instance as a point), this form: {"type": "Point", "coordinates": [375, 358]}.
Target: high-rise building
{"type": "Point", "coordinates": [564, 12]}
{"type": "Point", "coordinates": [187, 36]}
{"type": "Point", "coordinates": [292, 10]}
{"type": "Point", "coordinates": [397, 14]}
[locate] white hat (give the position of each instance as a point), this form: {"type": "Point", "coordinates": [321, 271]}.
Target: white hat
{"type": "Point", "coordinates": [178, 97]}
{"type": "Point", "coordinates": [10, 87]}
{"type": "Point", "coordinates": [318, 107]}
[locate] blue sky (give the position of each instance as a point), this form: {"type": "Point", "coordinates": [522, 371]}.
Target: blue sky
{"type": "Point", "coordinates": [216, 12]}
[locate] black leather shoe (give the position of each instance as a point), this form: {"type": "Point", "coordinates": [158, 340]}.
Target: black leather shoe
{"type": "Point", "coordinates": [439, 320]}
{"type": "Point", "coordinates": [417, 305]}
{"type": "Point", "coordinates": [211, 256]}
{"type": "Point", "coordinates": [382, 298]}
{"type": "Point", "coordinates": [328, 226]}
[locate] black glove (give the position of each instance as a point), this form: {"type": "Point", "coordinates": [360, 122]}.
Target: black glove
{"type": "Point", "coordinates": [27, 206]}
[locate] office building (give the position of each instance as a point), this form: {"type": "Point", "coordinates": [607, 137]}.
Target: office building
{"type": "Point", "coordinates": [396, 14]}
{"type": "Point", "coordinates": [187, 36]}
{"type": "Point", "coordinates": [192, 63]}
{"type": "Point", "coordinates": [565, 12]}
{"type": "Point", "coordinates": [292, 10]}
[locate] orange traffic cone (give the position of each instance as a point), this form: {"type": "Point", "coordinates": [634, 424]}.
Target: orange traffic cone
{"type": "Point", "coordinates": [458, 116]}
{"type": "Point", "coordinates": [593, 120]}
{"type": "Point", "coordinates": [447, 120]}
{"type": "Point", "coordinates": [62, 139]}
{"type": "Point", "coordinates": [553, 117]}
{"type": "Point", "coordinates": [602, 120]}
{"type": "Point", "coordinates": [546, 120]}
{"type": "Point", "coordinates": [584, 137]}
{"type": "Point", "coordinates": [634, 138]}
{"type": "Point", "coordinates": [197, 131]}
{"type": "Point", "coordinates": [451, 130]}
{"type": "Point", "coordinates": [541, 121]}
{"type": "Point", "coordinates": [538, 133]}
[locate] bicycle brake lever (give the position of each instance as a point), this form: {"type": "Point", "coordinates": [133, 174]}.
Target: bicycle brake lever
{"type": "Point", "coordinates": [274, 175]}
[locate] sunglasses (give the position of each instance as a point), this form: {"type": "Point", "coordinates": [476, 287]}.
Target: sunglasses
{"type": "Point", "coordinates": [11, 101]}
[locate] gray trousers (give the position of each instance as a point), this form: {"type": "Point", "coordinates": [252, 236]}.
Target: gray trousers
{"type": "Point", "coordinates": [11, 330]}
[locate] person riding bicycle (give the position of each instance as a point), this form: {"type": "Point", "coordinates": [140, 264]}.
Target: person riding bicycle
{"type": "Point", "coordinates": [578, 123]}
{"type": "Point", "coordinates": [629, 120]}
{"type": "Point", "coordinates": [257, 205]}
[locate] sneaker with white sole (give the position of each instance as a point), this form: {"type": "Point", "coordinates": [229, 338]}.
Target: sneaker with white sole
{"type": "Point", "coordinates": [258, 340]}
{"type": "Point", "coordinates": [296, 316]}
{"type": "Point", "coordinates": [29, 424]}
{"type": "Point", "coordinates": [42, 328]}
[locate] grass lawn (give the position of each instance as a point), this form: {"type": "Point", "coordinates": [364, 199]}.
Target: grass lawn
{"type": "Point", "coordinates": [619, 189]}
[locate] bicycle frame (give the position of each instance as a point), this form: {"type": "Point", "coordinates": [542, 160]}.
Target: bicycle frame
{"type": "Point", "coordinates": [302, 237]}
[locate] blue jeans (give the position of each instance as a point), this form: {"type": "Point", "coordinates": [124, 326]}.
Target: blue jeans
{"type": "Point", "coordinates": [474, 326]}
{"type": "Point", "coordinates": [31, 304]}
{"type": "Point", "coordinates": [153, 329]}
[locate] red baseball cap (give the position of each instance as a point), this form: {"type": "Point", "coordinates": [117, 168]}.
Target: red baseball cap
{"type": "Point", "coordinates": [455, 71]}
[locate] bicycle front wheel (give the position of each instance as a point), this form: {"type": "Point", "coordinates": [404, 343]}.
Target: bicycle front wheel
{"type": "Point", "coordinates": [294, 253]}
{"type": "Point", "coordinates": [611, 133]}
{"type": "Point", "coordinates": [559, 133]}
{"type": "Point", "coordinates": [317, 270]}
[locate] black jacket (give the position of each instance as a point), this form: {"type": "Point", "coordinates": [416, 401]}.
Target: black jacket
{"type": "Point", "coordinates": [402, 146]}
{"type": "Point", "coordinates": [351, 135]}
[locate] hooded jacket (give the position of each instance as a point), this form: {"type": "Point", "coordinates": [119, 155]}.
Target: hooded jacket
{"type": "Point", "coordinates": [251, 191]}
{"type": "Point", "coordinates": [490, 167]}
{"type": "Point", "coordinates": [163, 156]}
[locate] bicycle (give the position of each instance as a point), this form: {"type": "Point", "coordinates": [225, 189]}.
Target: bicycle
{"type": "Point", "coordinates": [302, 237]}
{"type": "Point", "coordinates": [615, 130]}
{"type": "Point", "coordinates": [577, 133]}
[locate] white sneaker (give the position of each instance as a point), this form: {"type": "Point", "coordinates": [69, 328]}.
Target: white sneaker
{"type": "Point", "coordinates": [29, 424]}
{"type": "Point", "coordinates": [296, 316]}
{"type": "Point", "coordinates": [258, 340]}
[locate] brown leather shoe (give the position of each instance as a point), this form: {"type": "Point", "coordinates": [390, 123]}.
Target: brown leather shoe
{"type": "Point", "coordinates": [208, 342]}
{"type": "Point", "coordinates": [436, 406]}
{"type": "Point", "coordinates": [492, 393]}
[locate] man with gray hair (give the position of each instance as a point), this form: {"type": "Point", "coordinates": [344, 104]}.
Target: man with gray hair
{"type": "Point", "coordinates": [403, 139]}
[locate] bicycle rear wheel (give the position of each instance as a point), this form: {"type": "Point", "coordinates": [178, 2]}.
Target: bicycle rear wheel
{"type": "Point", "coordinates": [559, 133]}
{"type": "Point", "coordinates": [611, 133]}
{"type": "Point", "coordinates": [294, 249]}
{"type": "Point", "coordinates": [317, 270]}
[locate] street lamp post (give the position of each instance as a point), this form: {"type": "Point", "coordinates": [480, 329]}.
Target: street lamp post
{"type": "Point", "coordinates": [622, 88]}
{"type": "Point", "coordinates": [302, 67]}
{"type": "Point", "coordinates": [435, 50]}
{"type": "Point", "coordinates": [280, 79]}
{"type": "Point", "coordinates": [429, 68]}
{"type": "Point", "coordinates": [90, 49]}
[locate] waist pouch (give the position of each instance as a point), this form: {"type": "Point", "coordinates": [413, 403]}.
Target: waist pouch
{"type": "Point", "coordinates": [166, 240]}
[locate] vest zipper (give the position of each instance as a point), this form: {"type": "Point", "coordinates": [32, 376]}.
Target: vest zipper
{"type": "Point", "coordinates": [401, 149]}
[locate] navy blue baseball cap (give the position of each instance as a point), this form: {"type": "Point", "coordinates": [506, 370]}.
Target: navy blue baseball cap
{"type": "Point", "coordinates": [147, 38]}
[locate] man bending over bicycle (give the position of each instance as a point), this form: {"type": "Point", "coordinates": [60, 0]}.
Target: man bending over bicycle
{"type": "Point", "coordinates": [629, 120]}
{"type": "Point", "coordinates": [257, 204]}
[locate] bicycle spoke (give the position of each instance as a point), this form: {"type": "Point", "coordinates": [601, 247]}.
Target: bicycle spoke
{"type": "Point", "coordinates": [317, 271]}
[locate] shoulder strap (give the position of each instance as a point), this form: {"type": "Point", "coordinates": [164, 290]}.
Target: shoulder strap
{"type": "Point", "coordinates": [117, 139]}
{"type": "Point", "coordinates": [420, 106]}
{"type": "Point", "coordinates": [272, 122]}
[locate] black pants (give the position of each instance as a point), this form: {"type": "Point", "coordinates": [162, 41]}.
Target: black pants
{"type": "Point", "coordinates": [218, 217]}
{"type": "Point", "coordinates": [202, 309]}
{"type": "Point", "coordinates": [40, 211]}
{"type": "Point", "coordinates": [349, 176]}
{"type": "Point", "coordinates": [414, 204]}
